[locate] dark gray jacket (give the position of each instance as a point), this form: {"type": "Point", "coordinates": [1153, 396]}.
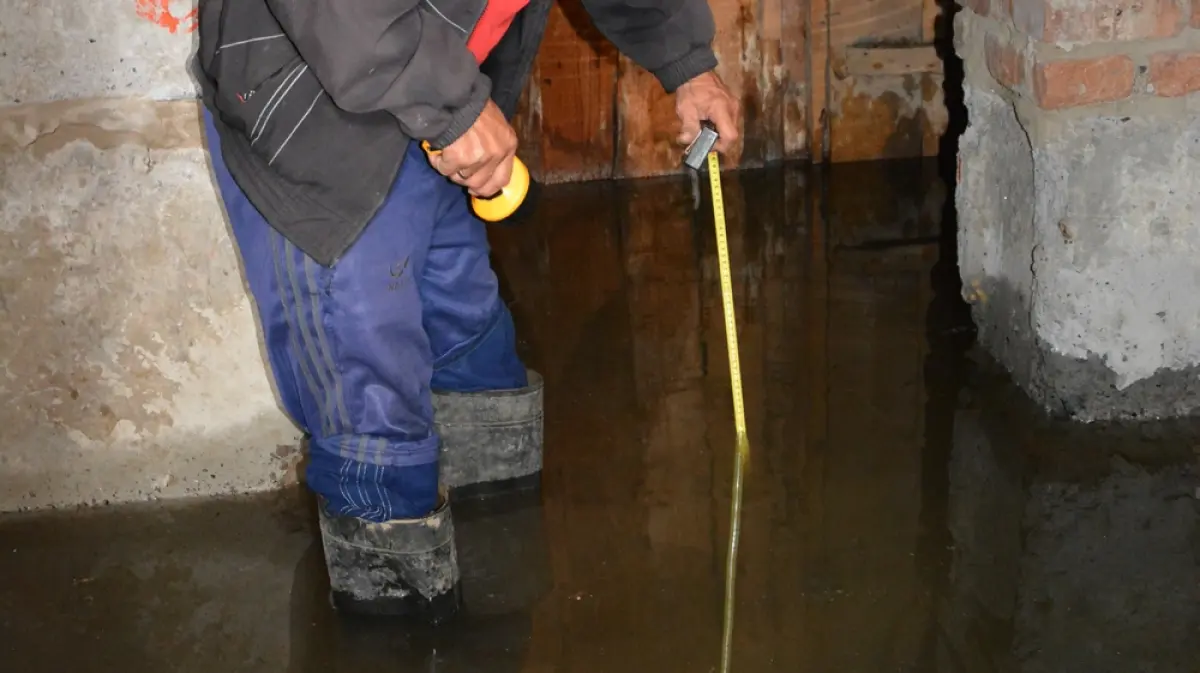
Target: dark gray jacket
{"type": "Point", "coordinates": [316, 101]}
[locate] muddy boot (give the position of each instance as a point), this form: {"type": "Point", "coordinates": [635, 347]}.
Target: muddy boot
{"type": "Point", "coordinates": [404, 567]}
{"type": "Point", "coordinates": [491, 441]}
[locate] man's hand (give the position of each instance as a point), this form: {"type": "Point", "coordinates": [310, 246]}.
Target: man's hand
{"type": "Point", "coordinates": [482, 158]}
{"type": "Point", "coordinates": [705, 97]}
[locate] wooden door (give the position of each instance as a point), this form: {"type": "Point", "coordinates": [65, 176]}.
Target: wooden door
{"type": "Point", "coordinates": [834, 80]}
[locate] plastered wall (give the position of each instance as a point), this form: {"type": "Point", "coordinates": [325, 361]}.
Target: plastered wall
{"type": "Point", "coordinates": [131, 366]}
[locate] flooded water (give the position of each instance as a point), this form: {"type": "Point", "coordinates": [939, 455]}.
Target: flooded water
{"type": "Point", "coordinates": [906, 509]}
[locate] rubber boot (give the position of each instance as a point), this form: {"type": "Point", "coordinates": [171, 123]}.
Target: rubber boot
{"type": "Point", "coordinates": [491, 441]}
{"type": "Point", "coordinates": [400, 568]}
{"type": "Point", "coordinates": [504, 563]}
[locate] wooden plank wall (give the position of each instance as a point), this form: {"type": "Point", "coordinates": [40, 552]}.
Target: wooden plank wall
{"type": "Point", "coordinates": [840, 80]}
{"type": "Point", "coordinates": [885, 80]}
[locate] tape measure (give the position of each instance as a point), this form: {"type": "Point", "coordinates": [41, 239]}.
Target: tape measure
{"type": "Point", "coordinates": [731, 336]}
{"type": "Point", "coordinates": [742, 450]}
{"type": "Point", "coordinates": [694, 158]}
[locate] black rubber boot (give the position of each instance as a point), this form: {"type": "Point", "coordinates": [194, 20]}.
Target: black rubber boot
{"type": "Point", "coordinates": [504, 565]}
{"type": "Point", "coordinates": [491, 441]}
{"type": "Point", "coordinates": [400, 568]}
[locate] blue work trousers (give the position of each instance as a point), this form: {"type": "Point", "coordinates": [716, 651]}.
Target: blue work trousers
{"type": "Point", "coordinates": [356, 348]}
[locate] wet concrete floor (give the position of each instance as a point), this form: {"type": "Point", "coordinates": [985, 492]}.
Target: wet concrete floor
{"type": "Point", "coordinates": [906, 509]}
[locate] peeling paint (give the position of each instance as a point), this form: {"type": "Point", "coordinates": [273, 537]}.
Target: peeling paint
{"type": "Point", "coordinates": [159, 13]}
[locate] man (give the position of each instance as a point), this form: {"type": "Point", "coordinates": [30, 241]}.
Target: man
{"type": "Point", "coordinates": [387, 338]}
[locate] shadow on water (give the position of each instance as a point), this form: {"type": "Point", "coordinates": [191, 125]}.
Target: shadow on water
{"type": "Point", "coordinates": [906, 509]}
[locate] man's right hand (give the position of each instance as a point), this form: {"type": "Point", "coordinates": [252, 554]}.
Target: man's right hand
{"type": "Point", "coordinates": [481, 159]}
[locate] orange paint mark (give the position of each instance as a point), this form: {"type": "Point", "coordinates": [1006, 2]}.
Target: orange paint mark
{"type": "Point", "coordinates": [159, 13]}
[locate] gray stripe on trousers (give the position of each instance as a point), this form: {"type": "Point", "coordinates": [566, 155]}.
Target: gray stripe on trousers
{"type": "Point", "coordinates": [323, 346]}
{"type": "Point", "coordinates": [294, 338]}
{"type": "Point", "coordinates": [310, 349]}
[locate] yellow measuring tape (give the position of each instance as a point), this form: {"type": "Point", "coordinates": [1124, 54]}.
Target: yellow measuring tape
{"type": "Point", "coordinates": [742, 453]}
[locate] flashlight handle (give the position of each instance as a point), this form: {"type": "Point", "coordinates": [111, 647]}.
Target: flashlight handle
{"type": "Point", "coordinates": [507, 201]}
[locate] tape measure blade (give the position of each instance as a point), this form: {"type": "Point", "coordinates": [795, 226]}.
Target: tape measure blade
{"type": "Point", "coordinates": [726, 276]}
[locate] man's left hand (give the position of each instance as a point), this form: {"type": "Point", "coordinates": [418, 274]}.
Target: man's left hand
{"type": "Point", "coordinates": [705, 97]}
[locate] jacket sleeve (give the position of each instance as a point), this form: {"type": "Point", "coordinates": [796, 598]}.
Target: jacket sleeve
{"type": "Point", "coordinates": [396, 56]}
{"type": "Point", "coordinates": [670, 38]}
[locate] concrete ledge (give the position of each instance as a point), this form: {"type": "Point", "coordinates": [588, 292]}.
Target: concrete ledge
{"type": "Point", "coordinates": [131, 358]}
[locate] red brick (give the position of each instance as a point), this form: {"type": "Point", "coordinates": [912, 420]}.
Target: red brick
{"type": "Point", "coordinates": [1005, 63]}
{"type": "Point", "coordinates": [1084, 21]}
{"type": "Point", "coordinates": [1195, 13]}
{"type": "Point", "coordinates": [1176, 73]}
{"type": "Point", "coordinates": [1070, 83]}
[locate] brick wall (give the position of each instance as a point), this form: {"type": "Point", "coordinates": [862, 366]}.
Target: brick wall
{"type": "Point", "coordinates": [1078, 216]}
{"type": "Point", "coordinates": [1064, 54]}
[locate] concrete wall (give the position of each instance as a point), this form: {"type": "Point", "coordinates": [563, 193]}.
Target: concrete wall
{"type": "Point", "coordinates": [1077, 202]}
{"type": "Point", "coordinates": [131, 362]}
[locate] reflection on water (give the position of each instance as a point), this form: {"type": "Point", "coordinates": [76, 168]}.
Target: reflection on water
{"type": "Point", "coordinates": [1075, 546]}
{"type": "Point", "coordinates": [906, 509]}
